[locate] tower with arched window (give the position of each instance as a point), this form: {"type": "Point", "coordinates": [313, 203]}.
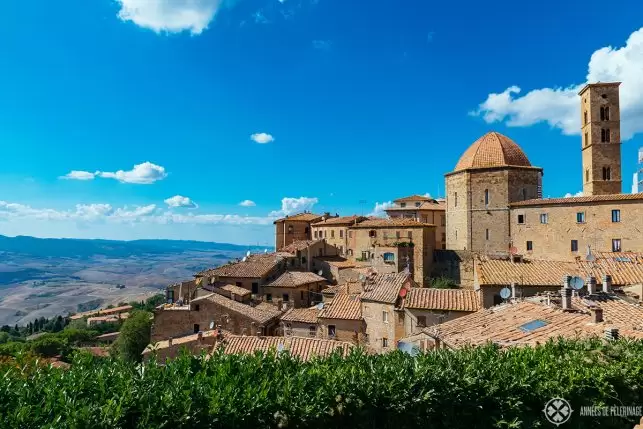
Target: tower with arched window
{"type": "Point", "coordinates": [601, 135]}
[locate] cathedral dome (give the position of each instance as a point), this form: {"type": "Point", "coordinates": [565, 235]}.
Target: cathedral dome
{"type": "Point", "coordinates": [492, 150]}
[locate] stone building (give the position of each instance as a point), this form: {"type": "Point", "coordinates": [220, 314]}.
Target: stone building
{"type": "Point", "coordinates": [335, 230]}
{"type": "Point", "coordinates": [295, 227]}
{"type": "Point", "coordinates": [426, 307]}
{"type": "Point", "coordinates": [341, 316]}
{"type": "Point", "coordinates": [601, 138]}
{"type": "Point", "coordinates": [422, 209]}
{"type": "Point", "coordinates": [393, 245]}
{"type": "Point", "coordinates": [300, 322]}
{"type": "Point", "coordinates": [491, 174]}
{"type": "Point", "coordinates": [298, 289]}
{"type": "Point", "coordinates": [565, 228]}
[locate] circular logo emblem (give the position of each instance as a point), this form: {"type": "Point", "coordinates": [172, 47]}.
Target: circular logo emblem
{"type": "Point", "coordinates": [557, 411]}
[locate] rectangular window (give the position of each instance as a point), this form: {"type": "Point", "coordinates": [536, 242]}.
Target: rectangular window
{"type": "Point", "coordinates": [397, 234]}
{"type": "Point", "coordinates": [580, 217]}
{"type": "Point", "coordinates": [385, 316]}
{"type": "Point", "coordinates": [585, 116]}
{"type": "Point", "coordinates": [521, 219]}
{"type": "Point", "coordinates": [544, 218]}
{"type": "Point", "coordinates": [402, 205]}
{"type": "Point", "coordinates": [255, 287]}
{"type": "Point", "coordinates": [616, 215]}
{"type": "Point", "coordinates": [384, 342]}
{"type": "Point", "coordinates": [586, 138]}
{"type": "Point", "coordinates": [331, 331]}
{"type": "Point", "coordinates": [487, 233]}
{"type": "Point", "coordinates": [443, 220]}
{"type": "Point", "coordinates": [385, 234]}
{"type": "Point", "coordinates": [410, 234]}
{"type": "Point", "coordinates": [616, 245]}
{"type": "Point", "coordinates": [269, 297]}
{"type": "Point", "coordinates": [530, 246]}
{"type": "Point", "coordinates": [372, 233]}
{"type": "Point", "coordinates": [341, 233]}
{"type": "Point", "coordinates": [350, 234]}
{"type": "Point", "coordinates": [325, 233]}
{"type": "Point", "coordinates": [286, 297]}
{"type": "Point", "coordinates": [332, 233]}
{"type": "Point", "coordinates": [196, 328]}
{"type": "Point", "coordinates": [312, 331]}
{"type": "Point", "coordinates": [196, 307]}
{"type": "Point", "coordinates": [302, 295]}
{"type": "Point", "coordinates": [574, 245]}
{"type": "Point", "coordinates": [315, 234]}
{"type": "Point", "coordinates": [486, 197]}
{"type": "Point", "coordinates": [421, 321]}
{"type": "Point", "coordinates": [455, 200]}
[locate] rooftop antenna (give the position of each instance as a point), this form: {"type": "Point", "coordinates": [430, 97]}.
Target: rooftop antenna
{"type": "Point", "coordinates": [362, 203]}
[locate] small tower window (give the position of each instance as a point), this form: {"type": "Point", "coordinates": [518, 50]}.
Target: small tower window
{"type": "Point", "coordinates": [602, 113]}
{"type": "Point", "coordinates": [455, 199]}
{"type": "Point", "coordinates": [607, 113]}
{"type": "Point", "coordinates": [605, 135]}
{"type": "Point", "coordinates": [486, 197]}
{"type": "Point", "coordinates": [607, 173]}
{"type": "Point", "coordinates": [487, 233]}
{"type": "Point", "coordinates": [586, 138]}
{"type": "Point", "coordinates": [587, 175]}
{"type": "Point", "coordinates": [585, 117]}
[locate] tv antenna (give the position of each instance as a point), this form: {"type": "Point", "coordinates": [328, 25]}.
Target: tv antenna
{"type": "Point", "coordinates": [505, 293]}
{"type": "Point", "coordinates": [362, 203]}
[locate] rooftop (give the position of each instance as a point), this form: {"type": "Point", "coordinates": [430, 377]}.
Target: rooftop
{"type": "Point", "coordinates": [530, 322]}
{"type": "Point", "coordinates": [237, 290]}
{"type": "Point", "coordinates": [386, 287]}
{"type": "Point", "coordinates": [298, 245]}
{"type": "Point", "coordinates": [492, 150]}
{"type": "Point", "coordinates": [295, 279]}
{"type": "Point", "coordinates": [302, 315]}
{"type": "Point", "coordinates": [102, 312]}
{"type": "Point", "coordinates": [344, 306]}
{"type": "Point", "coordinates": [414, 198]}
{"type": "Point", "coordinates": [442, 299]}
{"type": "Point", "coordinates": [339, 221]}
{"type": "Point", "coordinates": [425, 205]}
{"type": "Point", "coordinates": [301, 217]}
{"type": "Point", "coordinates": [578, 200]}
{"type": "Point", "coordinates": [259, 314]}
{"type": "Point", "coordinates": [300, 347]}
{"type": "Point", "coordinates": [255, 266]}
{"type": "Point", "coordinates": [391, 223]}
{"type": "Point", "coordinates": [336, 261]}
{"type": "Point", "coordinates": [179, 341]}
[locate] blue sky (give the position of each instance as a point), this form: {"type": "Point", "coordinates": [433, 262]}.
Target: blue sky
{"type": "Point", "coordinates": [346, 102]}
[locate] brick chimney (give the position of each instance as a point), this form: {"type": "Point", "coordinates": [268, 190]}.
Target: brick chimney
{"type": "Point", "coordinates": [591, 285]}
{"type": "Point", "coordinates": [566, 295]}
{"type": "Point", "coordinates": [597, 314]}
{"type": "Point", "coordinates": [607, 283]}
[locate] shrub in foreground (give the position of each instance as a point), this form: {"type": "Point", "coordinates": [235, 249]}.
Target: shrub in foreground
{"type": "Point", "coordinates": [481, 387]}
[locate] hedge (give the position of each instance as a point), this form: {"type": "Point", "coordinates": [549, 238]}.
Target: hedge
{"type": "Point", "coordinates": [484, 387]}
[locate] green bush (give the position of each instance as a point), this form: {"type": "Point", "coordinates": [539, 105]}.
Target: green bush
{"type": "Point", "coordinates": [443, 283]}
{"type": "Point", "coordinates": [470, 388]}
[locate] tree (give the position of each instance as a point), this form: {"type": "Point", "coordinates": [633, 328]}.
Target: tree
{"type": "Point", "coordinates": [443, 283]}
{"type": "Point", "coordinates": [49, 345]}
{"type": "Point", "coordinates": [134, 336]}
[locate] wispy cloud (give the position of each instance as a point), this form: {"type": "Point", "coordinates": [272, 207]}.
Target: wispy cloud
{"type": "Point", "coordinates": [172, 16]}
{"type": "Point", "coordinates": [247, 203]}
{"type": "Point", "coordinates": [560, 107]}
{"type": "Point", "coordinates": [295, 205]}
{"type": "Point", "coordinates": [141, 174]}
{"type": "Point", "coordinates": [180, 201]}
{"type": "Point", "coordinates": [577, 194]}
{"type": "Point", "coordinates": [380, 209]}
{"type": "Point", "coordinates": [262, 138]}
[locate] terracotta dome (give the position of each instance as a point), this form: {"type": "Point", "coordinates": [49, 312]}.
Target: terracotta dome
{"type": "Point", "coordinates": [493, 150]}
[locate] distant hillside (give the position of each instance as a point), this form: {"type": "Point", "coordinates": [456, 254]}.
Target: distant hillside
{"type": "Point", "coordinates": [83, 248]}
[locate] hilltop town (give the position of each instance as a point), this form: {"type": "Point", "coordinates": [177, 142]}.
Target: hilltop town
{"type": "Point", "coordinates": [492, 262]}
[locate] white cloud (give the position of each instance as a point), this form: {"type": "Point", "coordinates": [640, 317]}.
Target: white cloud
{"type": "Point", "coordinates": [78, 175]}
{"type": "Point", "coordinates": [180, 201]}
{"type": "Point", "coordinates": [294, 205]}
{"type": "Point", "coordinates": [262, 138]}
{"type": "Point", "coordinates": [141, 174]}
{"type": "Point", "coordinates": [247, 203]}
{"type": "Point", "coordinates": [172, 16]}
{"type": "Point", "coordinates": [577, 194]}
{"type": "Point", "coordinates": [560, 107]}
{"type": "Point", "coordinates": [380, 209]}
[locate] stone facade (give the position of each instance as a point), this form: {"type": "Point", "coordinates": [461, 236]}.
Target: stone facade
{"type": "Point", "coordinates": [427, 318]}
{"type": "Point", "coordinates": [545, 229]}
{"type": "Point", "coordinates": [425, 210]}
{"type": "Point", "coordinates": [335, 231]}
{"type": "Point", "coordinates": [454, 264]}
{"type": "Point", "coordinates": [478, 205]}
{"type": "Point", "coordinates": [384, 325]}
{"type": "Point", "coordinates": [351, 331]}
{"type": "Point", "coordinates": [300, 329]}
{"type": "Point", "coordinates": [601, 139]}
{"type": "Point", "coordinates": [295, 297]}
{"type": "Point", "coordinates": [295, 228]}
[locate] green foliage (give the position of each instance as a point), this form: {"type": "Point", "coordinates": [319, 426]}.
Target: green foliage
{"type": "Point", "coordinates": [443, 283]}
{"type": "Point", "coordinates": [134, 336]}
{"type": "Point", "coordinates": [482, 387]}
{"type": "Point", "coordinates": [49, 345]}
{"type": "Point", "coordinates": [150, 303]}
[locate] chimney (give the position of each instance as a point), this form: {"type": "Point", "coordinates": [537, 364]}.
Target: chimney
{"type": "Point", "coordinates": [607, 283]}
{"type": "Point", "coordinates": [611, 334]}
{"type": "Point", "coordinates": [169, 342]}
{"type": "Point", "coordinates": [591, 285]}
{"type": "Point", "coordinates": [566, 295]}
{"type": "Point", "coordinates": [513, 290]}
{"type": "Point", "coordinates": [232, 296]}
{"type": "Point", "coordinates": [597, 314]}
{"type": "Point", "coordinates": [566, 281]}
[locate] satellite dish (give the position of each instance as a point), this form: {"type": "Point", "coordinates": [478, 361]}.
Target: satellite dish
{"type": "Point", "coordinates": [505, 293]}
{"type": "Point", "coordinates": [265, 250]}
{"type": "Point", "coordinates": [403, 292]}
{"type": "Point", "coordinates": [320, 306]}
{"type": "Point", "coordinates": [212, 324]}
{"type": "Point", "coordinates": [320, 272]}
{"type": "Point", "coordinates": [248, 253]}
{"type": "Point", "coordinates": [245, 258]}
{"type": "Point", "coordinates": [576, 283]}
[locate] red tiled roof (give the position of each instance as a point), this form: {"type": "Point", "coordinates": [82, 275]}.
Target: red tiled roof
{"type": "Point", "coordinates": [301, 347]}
{"type": "Point", "coordinates": [303, 217]}
{"type": "Point", "coordinates": [578, 200]}
{"type": "Point", "coordinates": [237, 290]}
{"type": "Point", "coordinates": [413, 198]}
{"type": "Point", "coordinates": [392, 223]}
{"type": "Point", "coordinates": [386, 287]}
{"type": "Point", "coordinates": [336, 261]}
{"type": "Point", "coordinates": [492, 150]}
{"type": "Point", "coordinates": [102, 312]}
{"type": "Point", "coordinates": [298, 245]}
{"type": "Point", "coordinates": [442, 299]}
{"type": "Point", "coordinates": [295, 279]}
{"type": "Point", "coordinates": [261, 315]}
{"type": "Point", "coordinates": [505, 324]}
{"type": "Point", "coordinates": [303, 315]}
{"type": "Point", "coordinates": [344, 306]}
{"type": "Point", "coordinates": [339, 221]}
{"type": "Point", "coordinates": [255, 266]}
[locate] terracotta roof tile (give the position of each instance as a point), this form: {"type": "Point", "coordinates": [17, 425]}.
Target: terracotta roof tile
{"type": "Point", "coordinates": [505, 324]}
{"type": "Point", "coordinates": [413, 198]}
{"type": "Point", "coordinates": [182, 341]}
{"type": "Point", "coordinates": [336, 261]}
{"type": "Point", "coordinates": [427, 205]}
{"type": "Point", "coordinates": [255, 266]}
{"type": "Point", "coordinates": [551, 273]}
{"type": "Point", "coordinates": [342, 220]}
{"type": "Point", "coordinates": [300, 347]}
{"type": "Point", "coordinates": [303, 217]}
{"type": "Point", "coordinates": [578, 200]}
{"type": "Point", "coordinates": [492, 150]}
{"type": "Point", "coordinates": [344, 306]}
{"type": "Point", "coordinates": [237, 290]}
{"type": "Point", "coordinates": [391, 223]}
{"type": "Point", "coordinates": [259, 314]}
{"type": "Point", "coordinates": [386, 287]}
{"type": "Point", "coordinates": [442, 299]}
{"type": "Point", "coordinates": [295, 279]}
{"type": "Point", "coordinates": [303, 315]}
{"type": "Point", "coordinates": [102, 312]}
{"type": "Point", "coordinates": [298, 245]}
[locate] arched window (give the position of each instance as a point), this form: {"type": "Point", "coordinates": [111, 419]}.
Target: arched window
{"type": "Point", "coordinates": [607, 113]}
{"type": "Point", "coordinates": [602, 113]}
{"type": "Point", "coordinates": [607, 173]}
